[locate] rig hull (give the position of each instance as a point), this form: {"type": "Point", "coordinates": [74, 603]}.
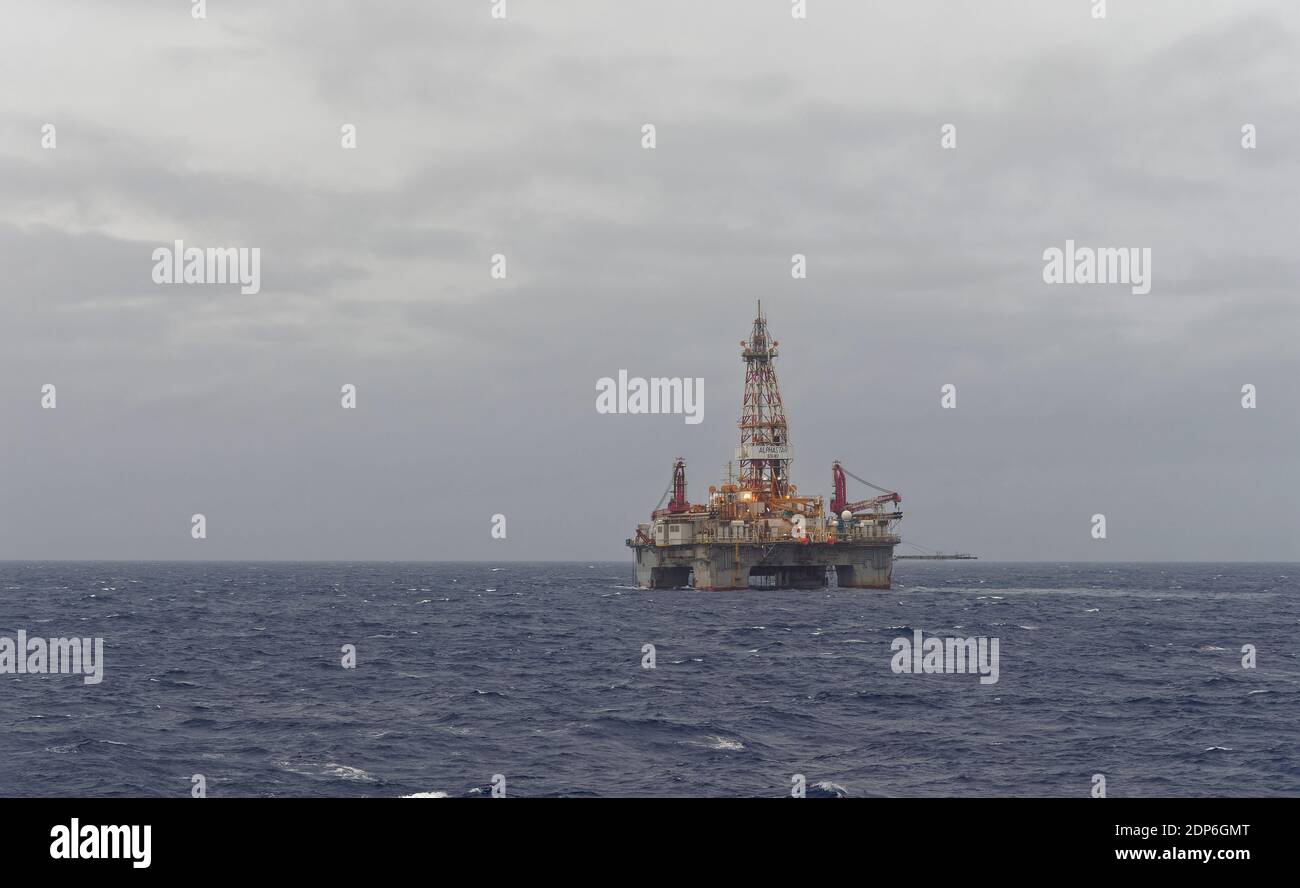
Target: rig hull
{"type": "Point", "coordinates": [781, 565]}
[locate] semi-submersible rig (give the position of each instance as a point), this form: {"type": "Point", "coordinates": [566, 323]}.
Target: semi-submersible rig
{"type": "Point", "coordinates": [755, 529]}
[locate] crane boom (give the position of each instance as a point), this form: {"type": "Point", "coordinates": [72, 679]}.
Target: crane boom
{"type": "Point", "coordinates": [840, 503]}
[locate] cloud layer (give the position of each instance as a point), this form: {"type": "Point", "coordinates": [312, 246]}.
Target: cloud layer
{"type": "Point", "coordinates": [775, 136]}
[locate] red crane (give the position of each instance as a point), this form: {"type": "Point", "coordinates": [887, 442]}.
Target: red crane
{"type": "Point", "coordinates": [679, 503]}
{"type": "Point", "coordinates": [840, 503]}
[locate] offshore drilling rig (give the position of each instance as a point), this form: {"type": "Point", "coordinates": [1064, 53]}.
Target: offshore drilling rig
{"type": "Point", "coordinates": [756, 530]}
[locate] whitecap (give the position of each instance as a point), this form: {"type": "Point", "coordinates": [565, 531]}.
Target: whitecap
{"type": "Point", "coordinates": [329, 769]}
{"type": "Point", "coordinates": [833, 788]}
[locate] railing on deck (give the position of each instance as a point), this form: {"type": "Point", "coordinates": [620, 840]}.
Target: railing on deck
{"type": "Point", "coordinates": [754, 535]}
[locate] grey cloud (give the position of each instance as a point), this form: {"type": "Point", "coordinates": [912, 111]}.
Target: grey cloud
{"type": "Point", "coordinates": [476, 396]}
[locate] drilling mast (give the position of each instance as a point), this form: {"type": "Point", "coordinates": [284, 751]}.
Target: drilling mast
{"type": "Point", "coordinates": [764, 452]}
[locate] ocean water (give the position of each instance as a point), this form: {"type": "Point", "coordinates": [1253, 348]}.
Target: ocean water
{"type": "Point", "coordinates": [534, 672]}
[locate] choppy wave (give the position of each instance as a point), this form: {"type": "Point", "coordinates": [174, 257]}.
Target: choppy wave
{"type": "Point", "coordinates": [534, 673]}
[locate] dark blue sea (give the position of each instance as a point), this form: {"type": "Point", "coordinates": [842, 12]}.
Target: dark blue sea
{"type": "Point", "coordinates": [534, 672]}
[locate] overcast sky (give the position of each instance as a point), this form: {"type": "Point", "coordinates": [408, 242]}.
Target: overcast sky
{"type": "Point", "coordinates": [774, 136]}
